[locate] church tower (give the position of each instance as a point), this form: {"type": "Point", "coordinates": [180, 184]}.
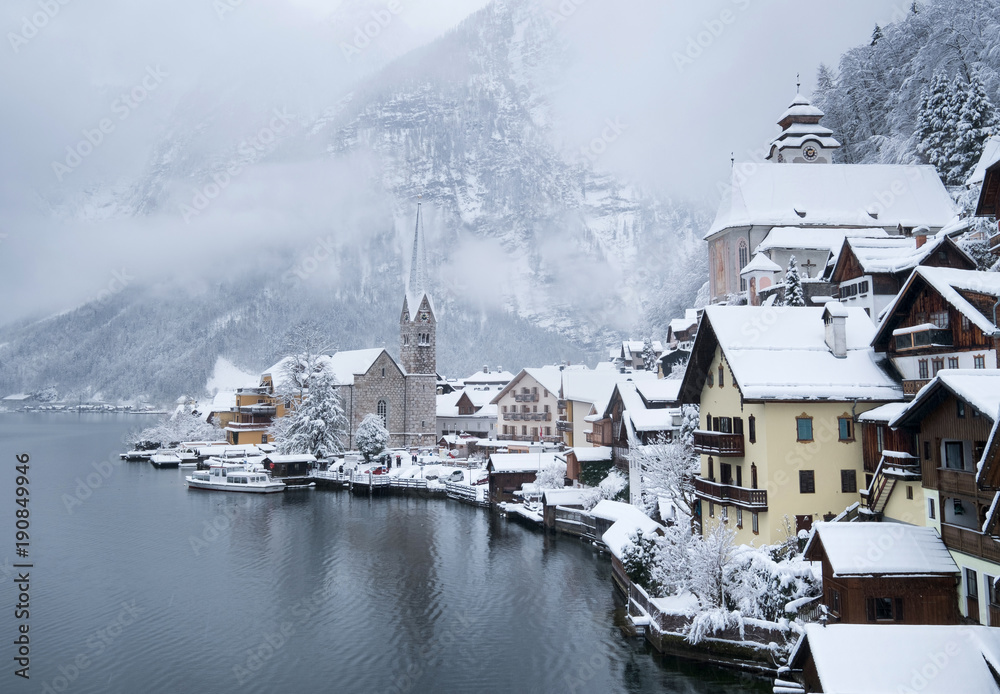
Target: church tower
{"type": "Point", "coordinates": [802, 140]}
{"type": "Point", "coordinates": [417, 323]}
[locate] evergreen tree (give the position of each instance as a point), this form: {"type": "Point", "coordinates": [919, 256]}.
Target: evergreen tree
{"type": "Point", "coordinates": [793, 285]}
{"type": "Point", "coordinates": [317, 423]}
{"type": "Point", "coordinates": [876, 35]}
{"type": "Point", "coordinates": [371, 437]}
{"type": "Point", "coordinates": [932, 134]}
{"type": "Point", "coordinates": [649, 355]}
{"type": "Point", "coordinates": [975, 121]}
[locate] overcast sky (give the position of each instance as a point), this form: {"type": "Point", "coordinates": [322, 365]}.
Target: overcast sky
{"type": "Point", "coordinates": [685, 83]}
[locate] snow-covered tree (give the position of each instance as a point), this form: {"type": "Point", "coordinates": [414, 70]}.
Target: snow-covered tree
{"type": "Point", "coordinates": [372, 437]}
{"type": "Point", "coordinates": [305, 345]}
{"type": "Point", "coordinates": [933, 122]}
{"type": "Point", "coordinates": [552, 476]}
{"type": "Point", "coordinates": [612, 488]}
{"type": "Point", "coordinates": [976, 122]}
{"type": "Point", "coordinates": [316, 423]}
{"type": "Point", "coordinates": [793, 285]}
{"type": "Point", "coordinates": [710, 559]}
{"type": "Point", "coordinates": [640, 560]}
{"type": "Point", "coordinates": [649, 355]}
{"type": "Point", "coordinates": [172, 430]}
{"type": "Point", "coordinates": [668, 470]}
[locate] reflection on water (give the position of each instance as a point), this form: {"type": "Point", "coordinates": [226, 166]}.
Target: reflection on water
{"type": "Point", "coordinates": [164, 589]}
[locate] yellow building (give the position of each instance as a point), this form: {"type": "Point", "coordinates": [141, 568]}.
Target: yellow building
{"type": "Point", "coordinates": [779, 391]}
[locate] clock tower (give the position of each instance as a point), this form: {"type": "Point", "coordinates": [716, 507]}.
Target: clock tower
{"type": "Point", "coordinates": [802, 140]}
{"type": "Point", "coordinates": [417, 322]}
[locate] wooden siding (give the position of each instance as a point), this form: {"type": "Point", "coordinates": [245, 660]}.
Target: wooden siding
{"type": "Point", "coordinates": [943, 424]}
{"type": "Point", "coordinates": [893, 440]}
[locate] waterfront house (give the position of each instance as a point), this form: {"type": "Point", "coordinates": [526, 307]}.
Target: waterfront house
{"type": "Point", "coordinates": [953, 419]}
{"type": "Point", "coordinates": [586, 393]}
{"type": "Point", "coordinates": [616, 523]}
{"type": "Point", "coordinates": [587, 465]}
{"type": "Point", "coordinates": [885, 573]}
{"type": "Point", "coordinates": [292, 468]}
{"type": "Point", "coordinates": [779, 390]}
{"type": "Point", "coordinates": [509, 471]}
{"type": "Point", "coordinates": [467, 412]}
{"type": "Point", "coordinates": [527, 406]}
{"type": "Point", "coordinates": [941, 319]}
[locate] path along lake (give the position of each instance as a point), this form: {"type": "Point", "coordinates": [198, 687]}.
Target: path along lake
{"type": "Point", "coordinates": [141, 585]}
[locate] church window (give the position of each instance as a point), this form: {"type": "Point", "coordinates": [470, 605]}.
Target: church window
{"type": "Point", "coordinates": [406, 340]}
{"type": "Point", "coordinates": [744, 253]}
{"type": "Point", "coordinates": [382, 410]}
{"type": "Point", "coordinates": [383, 372]}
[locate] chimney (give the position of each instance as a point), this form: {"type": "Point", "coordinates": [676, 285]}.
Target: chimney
{"type": "Point", "coordinates": [835, 320]}
{"type": "Point", "coordinates": [921, 234]}
{"type": "Point", "coordinates": [486, 369]}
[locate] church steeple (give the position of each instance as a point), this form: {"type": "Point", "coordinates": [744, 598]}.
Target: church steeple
{"type": "Point", "coordinates": [802, 140]}
{"type": "Point", "coordinates": [417, 322]}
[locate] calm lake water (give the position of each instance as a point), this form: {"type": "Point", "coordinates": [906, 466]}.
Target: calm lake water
{"type": "Point", "coordinates": [141, 585]}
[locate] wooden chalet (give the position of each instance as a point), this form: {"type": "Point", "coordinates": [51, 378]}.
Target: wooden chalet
{"type": "Point", "coordinates": [943, 318]}
{"type": "Point", "coordinates": [885, 573]}
{"type": "Point", "coordinates": [889, 457]}
{"type": "Point", "coordinates": [988, 173]}
{"type": "Point", "coordinates": [953, 419]}
{"type": "Point", "coordinates": [509, 471]}
{"type": "Point", "coordinates": [290, 469]}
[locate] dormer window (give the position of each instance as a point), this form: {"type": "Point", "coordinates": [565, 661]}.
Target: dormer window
{"type": "Point", "coordinates": [924, 335]}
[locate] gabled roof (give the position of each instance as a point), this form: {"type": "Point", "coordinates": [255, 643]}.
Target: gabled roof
{"type": "Point", "coordinates": [494, 378]}
{"type": "Point", "coordinates": [897, 254]}
{"type": "Point", "coordinates": [548, 377]}
{"type": "Point", "coordinates": [596, 387]}
{"type": "Point", "coordinates": [689, 321]}
{"type": "Point", "coordinates": [628, 520]}
{"type": "Point", "coordinates": [880, 658]}
{"type": "Point", "coordinates": [662, 390]}
{"type": "Point", "coordinates": [989, 157]}
{"type": "Point", "coordinates": [780, 353]}
{"type": "Point", "coordinates": [642, 417]}
{"type": "Point", "coordinates": [760, 263]}
{"type": "Point", "coordinates": [883, 413]}
{"type": "Point", "coordinates": [833, 195]}
{"type": "Point", "coordinates": [947, 282]}
{"type": "Point", "coordinates": [980, 388]}
{"type": "Point", "coordinates": [861, 549]}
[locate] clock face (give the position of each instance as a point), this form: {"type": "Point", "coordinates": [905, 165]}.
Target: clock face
{"type": "Point", "coordinates": [809, 152]}
{"type": "Point", "coordinates": [423, 317]}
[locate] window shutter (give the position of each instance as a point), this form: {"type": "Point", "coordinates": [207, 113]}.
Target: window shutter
{"type": "Point", "coordinates": [738, 425]}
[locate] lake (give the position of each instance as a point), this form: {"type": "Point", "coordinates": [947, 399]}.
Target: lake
{"type": "Point", "coordinates": [139, 584]}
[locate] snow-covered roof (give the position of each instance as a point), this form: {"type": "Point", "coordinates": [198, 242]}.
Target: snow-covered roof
{"type": "Point", "coordinates": [834, 195]}
{"type": "Point", "coordinates": [801, 107]}
{"type": "Point", "coordinates": [978, 387]}
{"type": "Point", "coordinates": [882, 548]}
{"type": "Point", "coordinates": [780, 353]}
{"type": "Point", "coordinates": [495, 378]}
{"type": "Point", "coordinates": [447, 404]}
{"type": "Point", "coordinates": [894, 253]}
{"type": "Point", "coordinates": [948, 282]}
{"type": "Point", "coordinates": [521, 462]}
{"type": "Point", "coordinates": [290, 458]}
{"type": "Point", "coordinates": [565, 497]}
{"type": "Point", "coordinates": [880, 658]}
{"type": "Point", "coordinates": [883, 413]}
{"type": "Point", "coordinates": [642, 417]}
{"type": "Point", "coordinates": [343, 365]}
{"type": "Point", "coordinates": [596, 387]}
{"type": "Point", "coordinates": [797, 238]}
{"type": "Point", "coordinates": [989, 157]}
{"type": "Point", "coordinates": [627, 521]}
{"type": "Point", "coordinates": [592, 454]}
{"type": "Point", "coordinates": [760, 263]}
{"type": "Point", "coordinates": [689, 321]}
{"type": "Point", "coordinates": [223, 401]}
{"type": "Point", "coordinates": [17, 397]}
{"type": "Point", "coordinates": [660, 390]}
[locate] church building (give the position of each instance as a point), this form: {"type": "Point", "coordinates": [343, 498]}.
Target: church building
{"type": "Point", "coordinates": [797, 202]}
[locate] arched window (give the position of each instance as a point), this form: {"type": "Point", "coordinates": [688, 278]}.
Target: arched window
{"type": "Point", "coordinates": [744, 252]}
{"type": "Point", "coordinates": [383, 412]}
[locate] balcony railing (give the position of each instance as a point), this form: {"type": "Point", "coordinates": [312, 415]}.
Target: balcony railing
{"type": "Point", "coordinates": [722, 445]}
{"type": "Point", "coordinates": [912, 386]}
{"type": "Point", "coordinates": [525, 397]}
{"type": "Point", "coordinates": [970, 542]}
{"type": "Point", "coordinates": [249, 426]}
{"type": "Point", "coordinates": [258, 409]}
{"type": "Point", "coordinates": [564, 426]}
{"type": "Point", "coordinates": [754, 499]}
{"type": "Point", "coordinates": [956, 481]}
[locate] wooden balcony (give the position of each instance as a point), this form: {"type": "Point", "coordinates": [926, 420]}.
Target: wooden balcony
{"type": "Point", "coordinates": [721, 445]}
{"type": "Point", "coordinates": [526, 397]}
{"type": "Point", "coordinates": [564, 426]}
{"type": "Point", "coordinates": [912, 387]}
{"type": "Point", "coordinates": [956, 482]}
{"type": "Point", "coordinates": [970, 542]}
{"type": "Point", "coordinates": [753, 499]}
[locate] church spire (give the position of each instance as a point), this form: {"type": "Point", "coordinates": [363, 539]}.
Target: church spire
{"type": "Point", "coordinates": [416, 285]}
{"type": "Point", "coordinates": [802, 138]}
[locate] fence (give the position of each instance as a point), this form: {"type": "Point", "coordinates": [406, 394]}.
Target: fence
{"type": "Point", "coordinates": [575, 522]}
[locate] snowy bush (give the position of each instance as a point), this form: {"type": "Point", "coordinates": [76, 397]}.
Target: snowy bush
{"type": "Point", "coordinates": [640, 560]}
{"type": "Point", "coordinates": [551, 476]}
{"type": "Point", "coordinates": [172, 430]}
{"type": "Point", "coordinates": [371, 437]}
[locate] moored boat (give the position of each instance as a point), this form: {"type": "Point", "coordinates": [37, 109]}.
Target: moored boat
{"type": "Point", "coordinates": [161, 459]}
{"type": "Point", "coordinates": [234, 477]}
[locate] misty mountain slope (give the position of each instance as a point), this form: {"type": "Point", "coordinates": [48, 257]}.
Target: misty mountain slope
{"type": "Point", "coordinates": [538, 255]}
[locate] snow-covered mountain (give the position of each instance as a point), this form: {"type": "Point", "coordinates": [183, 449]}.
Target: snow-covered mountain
{"type": "Point", "coordinates": [539, 254]}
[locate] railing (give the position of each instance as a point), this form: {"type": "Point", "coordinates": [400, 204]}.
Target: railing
{"type": "Point", "coordinates": [562, 425]}
{"type": "Point", "coordinates": [512, 416]}
{"type": "Point", "coordinates": [971, 542]}
{"type": "Point", "coordinates": [249, 426]}
{"type": "Point", "coordinates": [912, 387]}
{"type": "Point", "coordinates": [258, 409]}
{"type": "Point", "coordinates": [597, 438]}
{"type": "Point", "coordinates": [755, 499]}
{"type": "Point", "coordinates": [526, 397]}
{"type": "Point", "coordinates": [956, 481]}
{"type": "Point", "coordinates": [716, 443]}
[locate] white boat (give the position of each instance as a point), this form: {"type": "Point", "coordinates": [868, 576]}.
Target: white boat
{"type": "Point", "coordinates": [188, 463]}
{"type": "Point", "coordinates": [161, 459]}
{"type": "Point", "coordinates": [234, 477]}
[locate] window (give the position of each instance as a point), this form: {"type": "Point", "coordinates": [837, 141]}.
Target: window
{"type": "Point", "coordinates": [546, 408]}
{"type": "Point", "coordinates": [846, 428]}
{"type": "Point", "coordinates": [725, 514]}
{"type": "Point", "coordinates": [804, 428]}
{"type": "Point", "coordinates": [880, 437]}
{"type": "Point", "coordinates": [936, 365]}
{"type": "Point", "coordinates": [927, 450]}
{"type": "Point", "coordinates": [884, 609]}
{"type": "Point", "coordinates": [739, 518]}
{"type": "Point", "coordinates": [524, 430]}
{"type": "Point", "coordinates": [382, 409]}
{"type": "Point", "coordinates": [953, 455]}
{"type": "Point", "coordinates": [940, 319]}
{"type": "Point", "coordinates": [722, 376]}
{"type": "Point", "coordinates": [711, 468]}
{"type": "Point", "coordinates": [383, 372]}
{"type": "Point", "coordinates": [952, 362]}
{"type": "Point", "coordinates": [930, 509]}
{"type": "Point", "coordinates": [909, 492]}
{"type": "Point", "coordinates": [922, 367]}
{"type": "Point", "coordinates": [754, 523]}
{"type": "Point", "coordinates": [739, 476]}
{"type": "Point", "coordinates": [989, 583]}
{"type": "Point", "coordinates": [753, 476]}
{"type": "Point", "coordinates": [835, 601]}
{"type": "Point", "coordinates": [971, 585]}
{"type": "Point", "coordinates": [965, 323]}
{"type": "Point", "coordinates": [548, 431]}
{"type": "Point", "coordinates": [959, 409]}
{"type": "Point", "coordinates": [406, 340]}
{"type": "Point", "coordinates": [744, 253]}
{"type": "Point", "coordinates": [505, 409]}
{"type": "Point", "coordinates": [979, 361]}
{"type": "Point", "coordinates": [753, 429]}
{"type": "Point", "coordinates": [711, 509]}
{"type": "Point", "coordinates": [711, 380]}
{"type": "Point", "coordinates": [848, 481]}
{"type": "Point", "coordinates": [263, 438]}
{"type": "Point", "coordinates": [807, 481]}
{"type": "Point", "coordinates": [978, 449]}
